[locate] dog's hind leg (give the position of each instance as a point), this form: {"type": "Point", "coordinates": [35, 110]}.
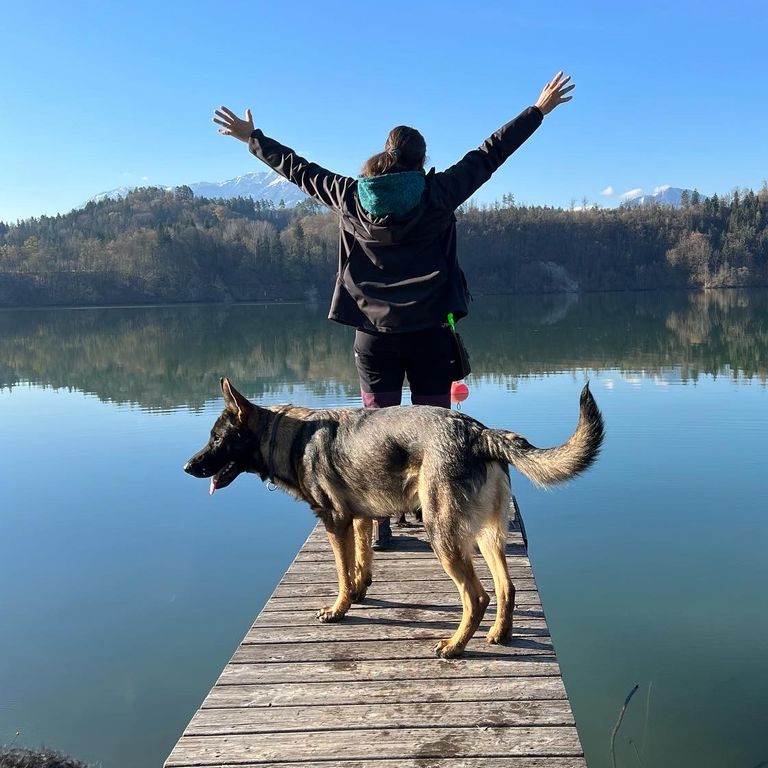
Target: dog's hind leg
{"type": "Point", "coordinates": [474, 599]}
{"type": "Point", "coordinates": [492, 543]}
{"type": "Point", "coordinates": [361, 576]}
{"type": "Point", "coordinates": [342, 538]}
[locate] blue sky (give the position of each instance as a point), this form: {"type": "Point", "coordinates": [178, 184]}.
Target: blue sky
{"type": "Point", "coordinates": [97, 95]}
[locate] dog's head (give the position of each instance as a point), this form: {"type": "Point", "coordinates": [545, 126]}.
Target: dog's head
{"type": "Point", "coordinates": [233, 445]}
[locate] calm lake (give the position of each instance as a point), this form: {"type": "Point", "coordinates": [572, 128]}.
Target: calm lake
{"type": "Point", "coordinates": [125, 588]}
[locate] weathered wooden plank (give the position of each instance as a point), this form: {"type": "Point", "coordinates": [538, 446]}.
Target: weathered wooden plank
{"type": "Point", "coordinates": [402, 649]}
{"type": "Point", "coordinates": [526, 600]}
{"type": "Point", "coordinates": [396, 554]}
{"type": "Point", "coordinates": [412, 530]}
{"type": "Point", "coordinates": [407, 542]}
{"type": "Point", "coordinates": [247, 666]}
{"type": "Point", "coordinates": [481, 714]}
{"type": "Point", "coordinates": [377, 691]}
{"type": "Point", "coordinates": [400, 743]}
{"type": "Point", "coordinates": [515, 550]}
{"type": "Point", "coordinates": [382, 615]}
{"type": "Point", "coordinates": [403, 579]}
{"type": "Point", "coordinates": [326, 571]}
{"type": "Point", "coordinates": [396, 594]}
{"type": "Point", "coordinates": [381, 589]}
{"type": "Point", "coordinates": [419, 762]}
{"type": "Point", "coordinates": [411, 548]}
{"type": "Point", "coordinates": [390, 561]}
{"type": "Point", "coordinates": [347, 631]}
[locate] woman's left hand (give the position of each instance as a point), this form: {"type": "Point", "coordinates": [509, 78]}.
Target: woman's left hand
{"type": "Point", "coordinates": [554, 93]}
{"type": "Point", "coordinates": [232, 125]}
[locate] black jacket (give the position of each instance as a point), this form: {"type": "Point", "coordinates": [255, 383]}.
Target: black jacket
{"type": "Point", "coordinates": [399, 273]}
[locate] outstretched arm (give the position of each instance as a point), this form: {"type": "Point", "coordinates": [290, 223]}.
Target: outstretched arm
{"type": "Point", "coordinates": [324, 186]}
{"type": "Point", "coordinates": [459, 182]}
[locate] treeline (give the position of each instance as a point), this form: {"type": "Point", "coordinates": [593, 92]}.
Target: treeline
{"type": "Point", "coordinates": [161, 246]}
{"type": "Point", "coordinates": [158, 246]}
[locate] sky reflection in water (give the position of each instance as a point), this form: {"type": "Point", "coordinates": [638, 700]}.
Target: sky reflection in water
{"type": "Point", "coordinates": [124, 588]}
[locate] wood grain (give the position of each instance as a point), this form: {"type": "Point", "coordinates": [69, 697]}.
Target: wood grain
{"type": "Point", "coordinates": [368, 692]}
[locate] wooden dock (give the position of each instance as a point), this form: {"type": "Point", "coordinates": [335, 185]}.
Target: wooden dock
{"type": "Point", "coordinates": [369, 693]}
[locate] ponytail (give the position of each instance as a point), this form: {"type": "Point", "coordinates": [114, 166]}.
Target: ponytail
{"type": "Point", "coordinates": [405, 150]}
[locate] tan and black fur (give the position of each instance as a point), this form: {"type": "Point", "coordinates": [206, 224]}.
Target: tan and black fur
{"type": "Point", "coordinates": [351, 465]}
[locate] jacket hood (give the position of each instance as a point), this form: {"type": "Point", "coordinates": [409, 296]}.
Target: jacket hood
{"type": "Point", "coordinates": [392, 193]}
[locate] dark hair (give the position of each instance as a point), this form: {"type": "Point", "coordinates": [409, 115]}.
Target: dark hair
{"type": "Point", "coordinates": [405, 150]}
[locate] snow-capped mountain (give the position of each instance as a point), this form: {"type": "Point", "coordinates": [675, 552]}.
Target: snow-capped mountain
{"type": "Point", "coordinates": [113, 194]}
{"type": "Point", "coordinates": [266, 185]}
{"type": "Point", "coordinates": [664, 195]}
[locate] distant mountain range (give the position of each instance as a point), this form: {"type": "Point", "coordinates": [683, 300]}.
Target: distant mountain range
{"type": "Point", "coordinates": [266, 185]}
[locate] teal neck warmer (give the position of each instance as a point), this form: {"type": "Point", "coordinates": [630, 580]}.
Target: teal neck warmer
{"type": "Point", "coordinates": [395, 193]}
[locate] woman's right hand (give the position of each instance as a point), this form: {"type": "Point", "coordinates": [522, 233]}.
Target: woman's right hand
{"type": "Point", "coordinates": [553, 93]}
{"type": "Point", "coordinates": [232, 125]}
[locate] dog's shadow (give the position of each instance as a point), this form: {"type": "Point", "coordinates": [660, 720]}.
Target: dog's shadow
{"type": "Point", "coordinates": [408, 614]}
{"type": "Point", "coordinates": [410, 543]}
{"type": "Point", "coordinates": [407, 543]}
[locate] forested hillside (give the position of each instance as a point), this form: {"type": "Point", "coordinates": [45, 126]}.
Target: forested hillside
{"type": "Point", "coordinates": [169, 246]}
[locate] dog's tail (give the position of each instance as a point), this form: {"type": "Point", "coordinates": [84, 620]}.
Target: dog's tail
{"type": "Point", "coordinates": [546, 466]}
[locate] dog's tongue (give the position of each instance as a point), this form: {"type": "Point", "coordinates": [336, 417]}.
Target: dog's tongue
{"type": "Point", "coordinates": [212, 489]}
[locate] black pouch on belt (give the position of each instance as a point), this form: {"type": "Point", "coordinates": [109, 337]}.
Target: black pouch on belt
{"type": "Point", "coordinates": [460, 365]}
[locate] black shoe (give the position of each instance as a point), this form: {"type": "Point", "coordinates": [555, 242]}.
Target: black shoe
{"type": "Point", "coordinates": [382, 533]}
{"type": "Point", "coordinates": [402, 521]}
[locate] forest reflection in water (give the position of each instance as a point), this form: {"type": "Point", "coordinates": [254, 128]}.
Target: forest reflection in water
{"type": "Point", "coordinates": [124, 587]}
{"type": "Point", "coordinates": [167, 357]}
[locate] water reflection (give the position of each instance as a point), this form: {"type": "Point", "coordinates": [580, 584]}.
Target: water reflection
{"type": "Point", "coordinates": [651, 567]}
{"type": "Point", "coordinates": [168, 357]}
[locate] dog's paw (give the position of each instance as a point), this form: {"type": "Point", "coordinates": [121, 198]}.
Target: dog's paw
{"type": "Point", "coordinates": [359, 594]}
{"type": "Point", "coordinates": [446, 650]}
{"type": "Point", "coordinates": [361, 579]}
{"type": "Point", "coordinates": [328, 614]}
{"type": "Point", "coordinates": [360, 589]}
{"type": "Point", "coordinates": [498, 637]}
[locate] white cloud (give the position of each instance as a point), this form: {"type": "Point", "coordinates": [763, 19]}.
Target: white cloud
{"type": "Point", "coordinates": [636, 192]}
{"type": "Point", "coordinates": [662, 188]}
{"type": "Point", "coordinates": [608, 191]}
{"type": "Point", "coordinates": [145, 178]}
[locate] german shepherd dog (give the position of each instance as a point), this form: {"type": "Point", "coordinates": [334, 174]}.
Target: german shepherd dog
{"type": "Point", "coordinates": [351, 465]}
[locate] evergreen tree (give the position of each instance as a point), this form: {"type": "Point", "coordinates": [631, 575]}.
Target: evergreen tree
{"type": "Point", "coordinates": [183, 192]}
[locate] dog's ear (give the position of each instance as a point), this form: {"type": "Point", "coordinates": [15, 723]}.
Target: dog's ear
{"type": "Point", "coordinates": [234, 401]}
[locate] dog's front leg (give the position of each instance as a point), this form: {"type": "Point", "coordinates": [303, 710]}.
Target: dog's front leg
{"type": "Point", "coordinates": [361, 575]}
{"type": "Point", "coordinates": [342, 537]}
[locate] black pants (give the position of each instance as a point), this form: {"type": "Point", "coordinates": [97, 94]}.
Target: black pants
{"type": "Point", "coordinates": [384, 360]}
